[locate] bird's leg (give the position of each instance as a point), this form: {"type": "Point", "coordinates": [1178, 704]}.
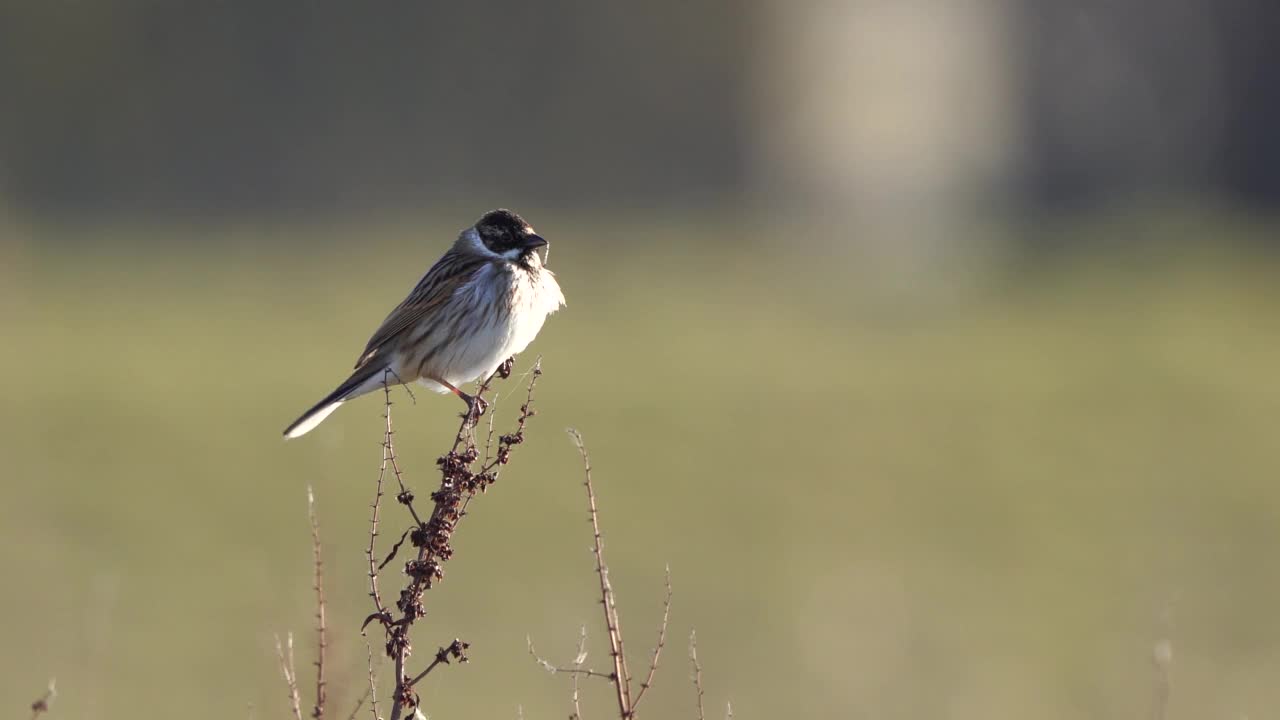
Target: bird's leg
{"type": "Point", "coordinates": [476, 405]}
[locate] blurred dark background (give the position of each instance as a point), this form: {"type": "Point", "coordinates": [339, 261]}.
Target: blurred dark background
{"type": "Point", "coordinates": [323, 107]}
{"type": "Point", "coordinates": [932, 343]}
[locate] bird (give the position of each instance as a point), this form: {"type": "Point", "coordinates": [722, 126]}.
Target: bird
{"type": "Point", "coordinates": [481, 303]}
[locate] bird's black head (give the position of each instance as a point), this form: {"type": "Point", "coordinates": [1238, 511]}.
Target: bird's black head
{"type": "Point", "coordinates": [506, 233]}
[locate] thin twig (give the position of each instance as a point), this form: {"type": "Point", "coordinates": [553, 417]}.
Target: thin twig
{"type": "Point", "coordinates": [290, 675]}
{"type": "Point", "coordinates": [580, 658]}
{"type": "Point", "coordinates": [622, 679]}
{"type": "Point", "coordinates": [456, 650]}
{"type": "Point", "coordinates": [697, 673]}
{"type": "Point", "coordinates": [377, 503]}
{"type": "Point", "coordinates": [576, 668]}
{"type": "Point", "coordinates": [488, 440]}
{"type": "Point", "coordinates": [372, 691]}
{"type": "Point", "coordinates": [42, 703]}
{"type": "Point", "coordinates": [322, 643]}
{"type": "Point", "coordinates": [657, 649]}
{"type": "Point", "coordinates": [389, 452]}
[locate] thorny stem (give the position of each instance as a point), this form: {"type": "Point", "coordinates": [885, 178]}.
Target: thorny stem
{"type": "Point", "coordinates": [372, 691]}
{"type": "Point", "coordinates": [697, 672]}
{"type": "Point", "coordinates": [576, 668]}
{"type": "Point", "coordinates": [321, 635]}
{"type": "Point", "coordinates": [657, 649]}
{"type": "Point", "coordinates": [377, 504]}
{"type": "Point", "coordinates": [389, 452]}
{"type": "Point", "coordinates": [622, 678]}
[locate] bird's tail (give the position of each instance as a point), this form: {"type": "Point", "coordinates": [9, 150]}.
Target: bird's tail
{"type": "Point", "coordinates": [361, 381]}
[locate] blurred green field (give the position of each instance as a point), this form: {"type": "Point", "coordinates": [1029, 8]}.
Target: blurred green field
{"type": "Point", "coordinates": [989, 503]}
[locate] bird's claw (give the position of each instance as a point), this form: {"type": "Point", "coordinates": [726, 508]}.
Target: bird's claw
{"type": "Point", "coordinates": [476, 407]}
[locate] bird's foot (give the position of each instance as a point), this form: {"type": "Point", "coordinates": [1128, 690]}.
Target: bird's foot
{"type": "Point", "coordinates": [476, 406]}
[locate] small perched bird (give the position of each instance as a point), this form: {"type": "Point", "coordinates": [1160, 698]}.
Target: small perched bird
{"type": "Point", "coordinates": [482, 302]}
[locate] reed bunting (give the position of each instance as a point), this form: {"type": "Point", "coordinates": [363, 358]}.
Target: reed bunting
{"type": "Point", "coordinates": [482, 302]}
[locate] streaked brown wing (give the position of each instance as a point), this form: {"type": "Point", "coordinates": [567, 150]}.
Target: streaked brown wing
{"type": "Point", "coordinates": [427, 297]}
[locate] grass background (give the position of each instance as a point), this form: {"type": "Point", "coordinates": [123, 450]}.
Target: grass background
{"type": "Point", "coordinates": [986, 501]}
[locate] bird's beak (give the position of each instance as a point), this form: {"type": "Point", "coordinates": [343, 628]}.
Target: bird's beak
{"type": "Point", "coordinates": [532, 242]}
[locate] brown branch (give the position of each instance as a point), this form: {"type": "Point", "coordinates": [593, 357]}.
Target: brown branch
{"type": "Point", "coordinates": [657, 649]}
{"type": "Point", "coordinates": [321, 636]}
{"type": "Point", "coordinates": [42, 703]}
{"type": "Point", "coordinates": [290, 675]}
{"type": "Point", "coordinates": [387, 453]}
{"type": "Point", "coordinates": [456, 650]}
{"type": "Point", "coordinates": [622, 678]}
{"type": "Point", "coordinates": [371, 692]}
{"type": "Point", "coordinates": [697, 673]}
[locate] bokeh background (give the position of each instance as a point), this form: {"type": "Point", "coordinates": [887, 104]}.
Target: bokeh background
{"type": "Point", "coordinates": [932, 344]}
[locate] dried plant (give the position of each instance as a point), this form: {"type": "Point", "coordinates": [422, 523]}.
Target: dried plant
{"type": "Point", "coordinates": [463, 475]}
{"type": "Point", "coordinates": [284, 651]}
{"type": "Point", "coordinates": [620, 678]}
{"type": "Point", "coordinates": [696, 675]}
{"type": "Point", "coordinates": [290, 674]}
{"type": "Point", "coordinates": [322, 643]}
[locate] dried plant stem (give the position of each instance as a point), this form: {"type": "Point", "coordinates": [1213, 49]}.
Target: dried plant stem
{"type": "Point", "coordinates": [290, 675]}
{"type": "Point", "coordinates": [574, 669]}
{"type": "Point", "coordinates": [580, 658]}
{"type": "Point", "coordinates": [458, 485]}
{"type": "Point", "coordinates": [387, 455]}
{"type": "Point", "coordinates": [321, 631]}
{"type": "Point", "coordinates": [456, 650]}
{"type": "Point", "coordinates": [389, 452]}
{"type": "Point", "coordinates": [621, 677]}
{"type": "Point", "coordinates": [697, 673]}
{"type": "Point", "coordinates": [373, 686]}
{"type": "Point", "coordinates": [370, 692]}
{"type": "Point", "coordinates": [657, 649]}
